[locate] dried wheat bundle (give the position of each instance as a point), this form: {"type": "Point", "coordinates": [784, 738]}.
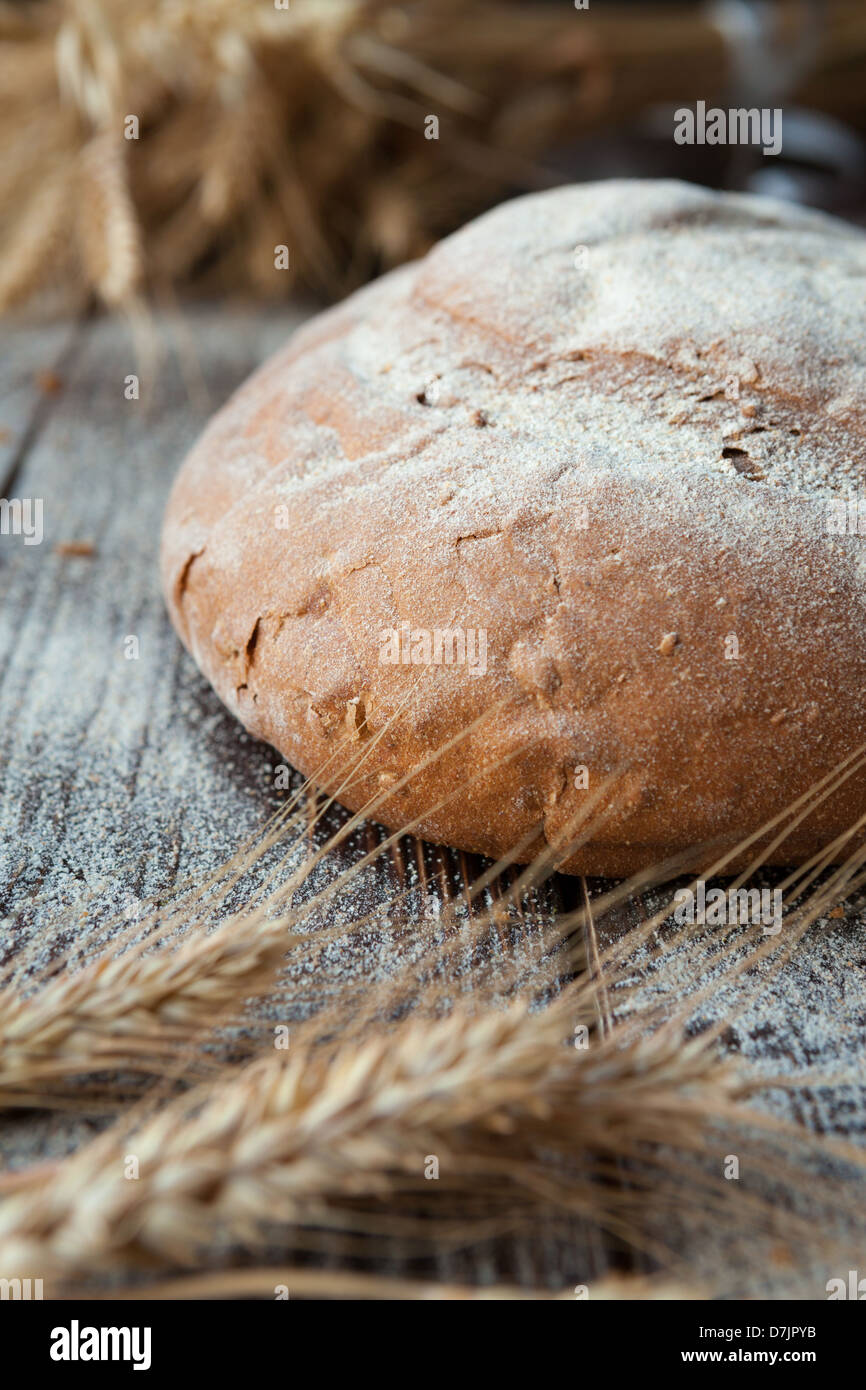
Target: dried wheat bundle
{"type": "Point", "coordinates": [290, 1138]}
{"type": "Point", "coordinates": [514, 1117]}
{"type": "Point", "coordinates": [166, 137]}
{"type": "Point", "coordinates": [280, 1139]}
{"type": "Point", "coordinates": [148, 141]}
{"type": "Point", "coordinates": [351, 1113]}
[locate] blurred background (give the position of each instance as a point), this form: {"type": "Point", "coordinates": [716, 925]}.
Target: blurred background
{"type": "Point", "coordinates": [156, 147]}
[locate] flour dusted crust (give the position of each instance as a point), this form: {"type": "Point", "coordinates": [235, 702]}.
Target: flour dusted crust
{"type": "Point", "coordinates": [612, 460]}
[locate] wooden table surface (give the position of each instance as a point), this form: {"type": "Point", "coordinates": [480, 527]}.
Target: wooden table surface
{"type": "Point", "coordinates": [120, 778]}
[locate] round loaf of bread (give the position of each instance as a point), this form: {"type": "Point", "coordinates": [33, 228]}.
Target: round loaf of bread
{"type": "Point", "coordinates": [556, 530]}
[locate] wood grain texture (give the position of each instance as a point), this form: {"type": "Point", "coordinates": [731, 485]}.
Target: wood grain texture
{"type": "Point", "coordinates": [120, 778]}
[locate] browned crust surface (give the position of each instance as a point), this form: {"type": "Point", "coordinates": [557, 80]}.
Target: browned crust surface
{"type": "Point", "coordinates": [611, 461]}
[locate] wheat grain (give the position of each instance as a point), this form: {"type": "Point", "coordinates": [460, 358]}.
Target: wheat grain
{"type": "Point", "coordinates": [109, 235]}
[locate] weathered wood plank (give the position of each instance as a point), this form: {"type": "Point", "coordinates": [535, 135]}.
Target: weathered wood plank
{"type": "Point", "coordinates": [30, 365]}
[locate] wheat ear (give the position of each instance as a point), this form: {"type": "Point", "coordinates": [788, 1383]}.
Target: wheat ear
{"type": "Point", "coordinates": [278, 1140]}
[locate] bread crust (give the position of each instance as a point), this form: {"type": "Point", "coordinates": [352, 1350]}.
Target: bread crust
{"type": "Point", "coordinates": [612, 461]}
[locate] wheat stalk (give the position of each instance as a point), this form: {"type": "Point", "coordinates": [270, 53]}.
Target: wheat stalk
{"type": "Point", "coordinates": [292, 1139]}
{"type": "Point", "coordinates": [108, 229]}
{"type": "Point", "coordinates": [278, 1140]}
{"type": "Point", "coordinates": [135, 1009]}
{"type": "Point", "coordinates": [305, 1141]}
